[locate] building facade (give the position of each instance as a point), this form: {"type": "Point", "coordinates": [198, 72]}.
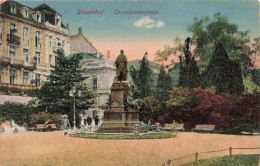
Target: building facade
{"type": "Point", "coordinates": [99, 70]}
{"type": "Point", "coordinates": [29, 39]}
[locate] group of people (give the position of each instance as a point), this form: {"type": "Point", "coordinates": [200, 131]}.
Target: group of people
{"type": "Point", "coordinates": [84, 122]}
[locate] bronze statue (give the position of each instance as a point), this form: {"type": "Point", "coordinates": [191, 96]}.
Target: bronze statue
{"type": "Point", "coordinates": [121, 67]}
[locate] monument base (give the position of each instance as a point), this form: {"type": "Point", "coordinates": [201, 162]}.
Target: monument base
{"type": "Point", "coordinates": [119, 122]}
{"type": "Point", "coordinates": [120, 118]}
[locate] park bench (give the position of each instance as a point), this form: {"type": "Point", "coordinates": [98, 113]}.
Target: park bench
{"type": "Point", "coordinates": [179, 127]}
{"type": "Point", "coordinates": [169, 126]}
{"type": "Point", "coordinates": [42, 127]}
{"type": "Point", "coordinates": [205, 127]}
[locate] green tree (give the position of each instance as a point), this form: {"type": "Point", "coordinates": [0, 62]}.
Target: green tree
{"type": "Point", "coordinates": [18, 112]}
{"type": "Point", "coordinates": [206, 32]}
{"type": "Point", "coordinates": [163, 87]}
{"type": "Point", "coordinates": [142, 79]}
{"type": "Point", "coordinates": [54, 95]}
{"type": "Point", "coordinates": [150, 109]}
{"type": "Point", "coordinates": [223, 74]}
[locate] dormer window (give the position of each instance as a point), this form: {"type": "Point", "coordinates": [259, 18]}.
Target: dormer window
{"type": "Point", "coordinates": [38, 16]}
{"type": "Point", "coordinates": [57, 20]}
{"type": "Point", "coordinates": [13, 8]}
{"type": "Point", "coordinates": [25, 12]}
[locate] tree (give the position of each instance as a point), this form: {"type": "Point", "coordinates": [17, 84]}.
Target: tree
{"type": "Point", "coordinates": [142, 79]}
{"type": "Point", "coordinates": [223, 74]}
{"type": "Point", "coordinates": [54, 94]}
{"type": "Point", "coordinates": [206, 32]}
{"type": "Point", "coordinates": [18, 112]}
{"type": "Point", "coordinates": [163, 87]}
{"type": "Point", "coordinates": [150, 109]}
{"type": "Point", "coordinates": [189, 71]}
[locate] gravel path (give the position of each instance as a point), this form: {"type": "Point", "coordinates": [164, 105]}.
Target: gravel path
{"type": "Point", "coordinates": [55, 149]}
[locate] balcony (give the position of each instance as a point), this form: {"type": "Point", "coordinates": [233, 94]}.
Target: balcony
{"type": "Point", "coordinates": [12, 39]}
{"type": "Point", "coordinates": [30, 66]}
{"type": "Point", "coordinates": [6, 88]}
{"type": "Point", "coordinates": [5, 60]}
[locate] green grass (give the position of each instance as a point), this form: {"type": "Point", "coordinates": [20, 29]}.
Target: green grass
{"type": "Point", "coordinates": [118, 136]}
{"type": "Point", "coordinates": [235, 160]}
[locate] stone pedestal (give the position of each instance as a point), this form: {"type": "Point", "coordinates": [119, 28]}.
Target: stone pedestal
{"type": "Point", "coordinates": [120, 118]}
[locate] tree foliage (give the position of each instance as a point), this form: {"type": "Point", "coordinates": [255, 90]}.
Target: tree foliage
{"type": "Point", "coordinates": [54, 95]}
{"type": "Point", "coordinates": [43, 117]}
{"type": "Point", "coordinates": [150, 109]}
{"type": "Point", "coordinates": [223, 74]}
{"type": "Point", "coordinates": [18, 112]}
{"type": "Point", "coordinates": [142, 79]}
{"type": "Point", "coordinates": [164, 86]}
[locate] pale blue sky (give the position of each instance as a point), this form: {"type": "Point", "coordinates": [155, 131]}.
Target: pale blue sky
{"type": "Point", "coordinates": [175, 15]}
{"type": "Point", "coordinates": [137, 34]}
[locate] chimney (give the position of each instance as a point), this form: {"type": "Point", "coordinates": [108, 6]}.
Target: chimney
{"type": "Point", "coordinates": [108, 54]}
{"type": "Point", "coordinates": [80, 30]}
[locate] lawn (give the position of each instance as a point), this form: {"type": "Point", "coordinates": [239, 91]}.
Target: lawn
{"type": "Point", "coordinates": [235, 160]}
{"type": "Point", "coordinates": [125, 136]}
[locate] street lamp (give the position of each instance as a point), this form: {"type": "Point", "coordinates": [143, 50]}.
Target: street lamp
{"type": "Point", "coordinates": [73, 93]}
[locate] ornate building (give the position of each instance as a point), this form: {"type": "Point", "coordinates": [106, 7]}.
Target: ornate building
{"type": "Point", "coordinates": [29, 38]}
{"type": "Point", "coordinates": [99, 70]}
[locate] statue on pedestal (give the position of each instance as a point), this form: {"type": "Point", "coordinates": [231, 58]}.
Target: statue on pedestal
{"type": "Point", "coordinates": [121, 67]}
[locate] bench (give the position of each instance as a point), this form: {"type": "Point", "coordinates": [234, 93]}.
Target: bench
{"type": "Point", "coordinates": [205, 127]}
{"type": "Point", "coordinates": [179, 127]}
{"type": "Point", "coordinates": [42, 127]}
{"type": "Point", "coordinates": [169, 126]}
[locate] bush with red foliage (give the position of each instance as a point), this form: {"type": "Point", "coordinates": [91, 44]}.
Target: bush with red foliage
{"type": "Point", "coordinates": [227, 112]}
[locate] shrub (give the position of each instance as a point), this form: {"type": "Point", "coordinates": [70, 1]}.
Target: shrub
{"type": "Point", "coordinates": [43, 117]}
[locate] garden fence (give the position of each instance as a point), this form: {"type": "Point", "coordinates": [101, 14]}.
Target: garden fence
{"type": "Point", "coordinates": [169, 162]}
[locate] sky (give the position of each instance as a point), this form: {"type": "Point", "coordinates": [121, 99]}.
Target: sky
{"type": "Point", "coordinates": [138, 33]}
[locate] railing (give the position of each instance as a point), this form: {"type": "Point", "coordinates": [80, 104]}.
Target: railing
{"type": "Point", "coordinates": [196, 155]}
{"type": "Point", "coordinates": [5, 60]}
{"type": "Point", "coordinates": [29, 65]}
{"type": "Point", "coordinates": [13, 39]}
{"type": "Point", "coordinates": [18, 86]}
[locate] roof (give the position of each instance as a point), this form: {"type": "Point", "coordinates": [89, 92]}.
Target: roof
{"type": "Point", "coordinates": [46, 12]}
{"type": "Point", "coordinates": [46, 8]}
{"type": "Point", "coordinates": [86, 55]}
{"type": "Point", "coordinates": [81, 35]}
{"type": "Point", "coordinates": [151, 63]}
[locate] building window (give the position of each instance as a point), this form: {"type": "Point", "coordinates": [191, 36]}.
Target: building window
{"type": "Point", "coordinates": [25, 34]}
{"type": "Point", "coordinates": [38, 39]}
{"type": "Point", "coordinates": [50, 42]}
{"type": "Point", "coordinates": [37, 79]}
{"type": "Point", "coordinates": [0, 74]}
{"type": "Point", "coordinates": [13, 8]}
{"type": "Point", "coordinates": [57, 42]}
{"type": "Point", "coordinates": [63, 43]}
{"type": "Point", "coordinates": [38, 57]}
{"type": "Point", "coordinates": [38, 16]}
{"type": "Point", "coordinates": [26, 55]}
{"type": "Point", "coordinates": [1, 29]}
{"type": "Point", "coordinates": [55, 59]}
{"type": "Point", "coordinates": [94, 83]}
{"type": "Point", "coordinates": [25, 77]}
{"type": "Point", "coordinates": [50, 59]}
{"type": "Point", "coordinates": [26, 13]}
{"type": "Point", "coordinates": [12, 73]}
{"type": "Point", "coordinates": [12, 29]}
{"type": "Point", "coordinates": [12, 51]}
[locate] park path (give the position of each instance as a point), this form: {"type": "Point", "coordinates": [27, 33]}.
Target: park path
{"type": "Point", "coordinates": [55, 149]}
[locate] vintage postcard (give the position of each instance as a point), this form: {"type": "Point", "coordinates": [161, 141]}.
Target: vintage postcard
{"type": "Point", "coordinates": [129, 82]}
